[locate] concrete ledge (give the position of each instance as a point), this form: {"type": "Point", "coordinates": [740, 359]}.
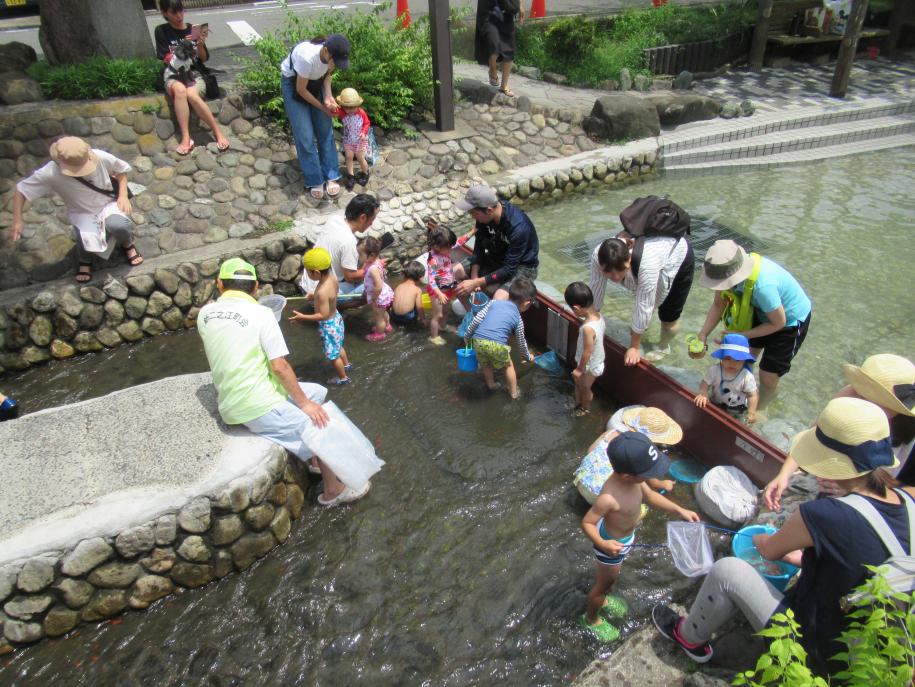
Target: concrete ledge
{"type": "Point", "coordinates": [98, 514]}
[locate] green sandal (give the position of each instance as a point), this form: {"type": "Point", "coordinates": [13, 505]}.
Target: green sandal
{"type": "Point", "coordinates": [604, 631]}
{"type": "Point", "coordinates": [615, 606]}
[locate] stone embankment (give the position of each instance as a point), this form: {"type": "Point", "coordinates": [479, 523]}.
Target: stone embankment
{"type": "Point", "coordinates": [108, 534]}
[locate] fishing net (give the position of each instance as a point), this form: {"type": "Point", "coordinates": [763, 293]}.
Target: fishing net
{"type": "Point", "coordinates": [550, 362]}
{"type": "Point", "coordinates": [690, 548]}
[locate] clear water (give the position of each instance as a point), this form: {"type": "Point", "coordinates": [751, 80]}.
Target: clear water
{"type": "Point", "coordinates": [465, 565]}
{"type": "Point", "coordinates": [843, 228]}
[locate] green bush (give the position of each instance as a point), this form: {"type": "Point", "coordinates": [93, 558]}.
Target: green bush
{"type": "Point", "coordinates": [98, 77]}
{"type": "Point", "coordinates": [570, 36]}
{"type": "Point", "coordinates": [390, 67]}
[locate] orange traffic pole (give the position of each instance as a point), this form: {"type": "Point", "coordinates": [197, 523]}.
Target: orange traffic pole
{"type": "Point", "coordinates": [538, 9]}
{"type": "Point", "coordinates": [403, 13]}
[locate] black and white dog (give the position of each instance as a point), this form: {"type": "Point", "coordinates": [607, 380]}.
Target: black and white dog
{"type": "Point", "coordinates": [181, 61]}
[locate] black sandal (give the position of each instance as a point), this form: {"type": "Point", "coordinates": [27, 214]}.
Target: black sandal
{"type": "Point", "coordinates": [133, 260]}
{"type": "Point", "coordinates": [84, 276]}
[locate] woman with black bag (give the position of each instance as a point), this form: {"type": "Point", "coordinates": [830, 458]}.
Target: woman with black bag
{"type": "Point", "coordinates": [495, 38]}
{"type": "Point", "coordinates": [305, 79]}
{"type": "Point", "coordinates": [183, 76]}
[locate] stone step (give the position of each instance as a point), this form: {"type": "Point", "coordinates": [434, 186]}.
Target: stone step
{"type": "Point", "coordinates": [692, 136]}
{"type": "Point", "coordinates": [794, 157]}
{"type": "Point", "coordinates": [796, 140]}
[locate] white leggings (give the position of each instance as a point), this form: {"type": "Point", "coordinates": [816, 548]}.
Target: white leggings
{"type": "Point", "coordinates": [731, 583]}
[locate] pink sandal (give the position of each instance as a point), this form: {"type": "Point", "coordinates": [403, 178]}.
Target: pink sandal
{"type": "Point", "coordinates": [375, 337]}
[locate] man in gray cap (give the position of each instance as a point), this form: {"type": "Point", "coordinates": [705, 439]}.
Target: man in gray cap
{"type": "Point", "coordinates": [758, 298]}
{"type": "Point", "coordinates": [505, 244]}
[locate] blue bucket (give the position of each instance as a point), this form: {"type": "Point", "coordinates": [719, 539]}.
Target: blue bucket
{"type": "Point", "coordinates": [467, 359]}
{"type": "Point", "coordinates": [478, 301]}
{"type": "Point", "coordinates": [686, 470]}
{"type": "Point", "coordinates": [742, 546]}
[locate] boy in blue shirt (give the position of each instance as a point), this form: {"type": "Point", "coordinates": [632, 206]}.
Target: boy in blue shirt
{"type": "Point", "coordinates": [490, 331]}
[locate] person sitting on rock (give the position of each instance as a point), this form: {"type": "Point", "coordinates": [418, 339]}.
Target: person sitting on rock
{"type": "Point", "coordinates": [93, 186]}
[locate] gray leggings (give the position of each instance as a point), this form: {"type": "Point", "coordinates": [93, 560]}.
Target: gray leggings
{"type": "Point", "coordinates": [731, 583]}
{"type": "Point", "coordinates": [117, 228]}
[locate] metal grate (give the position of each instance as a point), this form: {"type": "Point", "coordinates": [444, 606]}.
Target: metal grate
{"type": "Point", "coordinates": [703, 233]}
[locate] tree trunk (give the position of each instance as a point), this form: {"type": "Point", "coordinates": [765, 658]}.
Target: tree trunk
{"type": "Point", "coordinates": [75, 30]}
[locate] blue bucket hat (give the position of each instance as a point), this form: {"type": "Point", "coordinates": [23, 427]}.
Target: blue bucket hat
{"type": "Point", "coordinates": [734, 346]}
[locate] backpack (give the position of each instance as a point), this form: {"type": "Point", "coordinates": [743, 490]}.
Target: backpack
{"type": "Point", "coordinates": [652, 216]}
{"type": "Point", "coordinates": [901, 573]}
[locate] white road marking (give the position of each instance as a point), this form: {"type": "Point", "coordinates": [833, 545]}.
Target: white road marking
{"type": "Point", "coordinates": [244, 31]}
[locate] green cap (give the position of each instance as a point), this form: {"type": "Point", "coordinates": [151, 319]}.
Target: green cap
{"type": "Point", "coordinates": [233, 265]}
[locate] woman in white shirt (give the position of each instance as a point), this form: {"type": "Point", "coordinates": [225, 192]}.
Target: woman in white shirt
{"type": "Point", "coordinates": [305, 80]}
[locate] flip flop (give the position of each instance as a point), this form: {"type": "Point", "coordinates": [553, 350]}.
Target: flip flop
{"type": "Point", "coordinates": [604, 631]}
{"type": "Point", "coordinates": [507, 91]}
{"type": "Point", "coordinates": [494, 81]}
{"type": "Point", "coordinates": [187, 150]}
{"type": "Point", "coordinates": [84, 276]}
{"type": "Point", "coordinates": [332, 188]}
{"type": "Point", "coordinates": [317, 192]}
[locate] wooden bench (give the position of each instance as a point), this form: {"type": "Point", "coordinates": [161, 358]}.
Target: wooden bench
{"type": "Point", "coordinates": [782, 16]}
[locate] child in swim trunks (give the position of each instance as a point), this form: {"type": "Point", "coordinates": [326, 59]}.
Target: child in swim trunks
{"type": "Point", "coordinates": [377, 292]}
{"type": "Point", "coordinates": [441, 279]}
{"type": "Point", "coordinates": [491, 329]}
{"type": "Point", "coordinates": [589, 355]}
{"type": "Point", "coordinates": [611, 522]}
{"type": "Point", "coordinates": [730, 384]}
{"type": "Point", "coordinates": [330, 323]}
{"type": "Point", "coordinates": [408, 296]}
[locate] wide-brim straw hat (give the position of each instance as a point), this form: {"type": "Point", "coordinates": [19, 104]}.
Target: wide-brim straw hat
{"type": "Point", "coordinates": [726, 264]}
{"type": "Point", "coordinates": [882, 379]}
{"type": "Point", "coordinates": [349, 97]}
{"type": "Point", "coordinates": [653, 423]}
{"type": "Point", "coordinates": [847, 427]}
{"type": "Point", "coordinates": [74, 156]}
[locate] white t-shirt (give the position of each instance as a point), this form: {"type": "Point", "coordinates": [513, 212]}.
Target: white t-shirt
{"type": "Point", "coordinates": [306, 62]}
{"type": "Point", "coordinates": [338, 240]}
{"type": "Point", "coordinates": [732, 393]}
{"type": "Point", "coordinates": [240, 339]}
{"type": "Point", "coordinates": [79, 198]}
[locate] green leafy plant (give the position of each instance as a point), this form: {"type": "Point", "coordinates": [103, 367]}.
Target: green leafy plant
{"type": "Point", "coordinates": [98, 77]}
{"type": "Point", "coordinates": [149, 108]}
{"type": "Point", "coordinates": [391, 67]}
{"type": "Point", "coordinates": [879, 641]}
{"type": "Point", "coordinates": [279, 225]}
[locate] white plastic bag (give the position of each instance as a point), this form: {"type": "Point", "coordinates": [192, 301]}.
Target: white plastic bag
{"type": "Point", "coordinates": [727, 496]}
{"type": "Point", "coordinates": [690, 548]}
{"type": "Point", "coordinates": [344, 448]}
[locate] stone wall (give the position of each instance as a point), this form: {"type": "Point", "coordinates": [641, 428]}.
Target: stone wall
{"type": "Point", "coordinates": [165, 294]}
{"type": "Point", "coordinates": [47, 596]}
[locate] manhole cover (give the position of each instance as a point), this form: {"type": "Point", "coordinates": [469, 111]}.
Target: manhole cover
{"type": "Point", "coordinates": [703, 233]}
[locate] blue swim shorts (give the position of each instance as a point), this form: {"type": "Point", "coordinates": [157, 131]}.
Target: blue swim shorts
{"type": "Point", "coordinates": [605, 559]}
{"type": "Point", "coordinates": [332, 336]}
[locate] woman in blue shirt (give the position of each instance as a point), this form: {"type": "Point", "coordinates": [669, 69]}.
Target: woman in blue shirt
{"type": "Point", "coordinates": [761, 300]}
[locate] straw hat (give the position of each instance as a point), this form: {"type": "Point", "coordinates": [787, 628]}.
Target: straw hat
{"type": "Point", "coordinates": [74, 156]}
{"type": "Point", "coordinates": [316, 259]}
{"type": "Point", "coordinates": [726, 265]}
{"type": "Point", "coordinates": [653, 423]}
{"type": "Point", "coordinates": [349, 97]}
{"type": "Point", "coordinates": [851, 438]}
{"type": "Point", "coordinates": [885, 379]}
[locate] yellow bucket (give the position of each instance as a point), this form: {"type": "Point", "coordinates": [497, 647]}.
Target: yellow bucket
{"type": "Point", "coordinates": [427, 303]}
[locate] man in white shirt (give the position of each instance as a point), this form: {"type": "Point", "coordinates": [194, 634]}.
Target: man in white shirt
{"type": "Point", "coordinates": [93, 186]}
{"type": "Point", "coordinates": [339, 239]}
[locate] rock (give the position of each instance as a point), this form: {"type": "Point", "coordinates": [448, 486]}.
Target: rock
{"type": "Point", "coordinates": [625, 79]}
{"type": "Point", "coordinates": [40, 331]}
{"type": "Point", "coordinates": [88, 554]}
{"type": "Point", "coordinates": [475, 91]}
{"type": "Point", "coordinates": [152, 326]}
{"type": "Point", "coordinates": [530, 72]}
{"type": "Point", "coordinates": [222, 563]}
{"type": "Point", "coordinates": [149, 588]}
{"type": "Point", "coordinates": [115, 575]}
{"type": "Point", "coordinates": [130, 331]}
{"type": "Point", "coordinates": [295, 500]}
{"type": "Point", "coordinates": [7, 583]}
{"type": "Point", "coordinates": [70, 303]}
{"type": "Point", "coordinates": [258, 517]}
{"type": "Point", "coordinates": [59, 621]}
{"type": "Point", "coordinates": [136, 540]}
{"type": "Point", "coordinates": [160, 560]}
{"type": "Point", "coordinates": [75, 593]}
{"type": "Point", "coordinates": [158, 303]}
{"type": "Point", "coordinates": [92, 316]}
{"type": "Point", "coordinates": [173, 319]}
{"type": "Point", "coordinates": [16, 88]}
{"type": "Point", "coordinates": [280, 525]}
{"type": "Point", "coordinates": [114, 311]}
{"type": "Point", "coordinates": [194, 549]}
{"type": "Point", "coordinates": [92, 294]}
{"type": "Point", "coordinates": [188, 272]}
{"type": "Point", "coordinates": [105, 604]}
{"type": "Point", "coordinates": [44, 302]}
{"type": "Point", "coordinates": [240, 229]}
{"type": "Point", "coordinates": [115, 289]}
{"type": "Point", "coordinates": [747, 108]}
{"type": "Point", "coordinates": [34, 355]}
{"type": "Point", "coordinates": [35, 575]}
{"type": "Point", "coordinates": [141, 284]}
{"type": "Point", "coordinates": [16, 56]}
{"type": "Point", "coordinates": [167, 280]}
{"type": "Point", "coordinates": [192, 575]}
{"type": "Point", "coordinates": [683, 81]}
{"type": "Point", "coordinates": [23, 633]}
{"type": "Point", "coordinates": [195, 516]}
{"type": "Point", "coordinates": [641, 82]}
{"type": "Point", "coordinates": [622, 117]}
{"type": "Point", "coordinates": [24, 607]}
{"type": "Point", "coordinates": [61, 350]}
{"type": "Point", "coordinates": [730, 110]}
{"type": "Point", "coordinates": [85, 342]}
{"type": "Point", "coordinates": [135, 307]}
{"type": "Point", "coordinates": [680, 108]}
{"type": "Point", "coordinates": [251, 547]}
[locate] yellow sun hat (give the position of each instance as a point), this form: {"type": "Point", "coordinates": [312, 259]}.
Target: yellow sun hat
{"type": "Point", "coordinates": [851, 438]}
{"type": "Point", "coordinates": [316, 259]}
{"type": "Point", "coordinates": [885, 379]}
{"type": "Point", "coordinates": [653, 423]}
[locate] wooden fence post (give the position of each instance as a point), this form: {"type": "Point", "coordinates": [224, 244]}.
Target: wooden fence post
{"type": "Point", "coordinates": [847, 49]}
{"type": "Point", "coordinates": [760, 36]}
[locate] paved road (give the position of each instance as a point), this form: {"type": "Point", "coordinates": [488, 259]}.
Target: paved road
{"type": "Point", "coordinates": [231, 25]}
